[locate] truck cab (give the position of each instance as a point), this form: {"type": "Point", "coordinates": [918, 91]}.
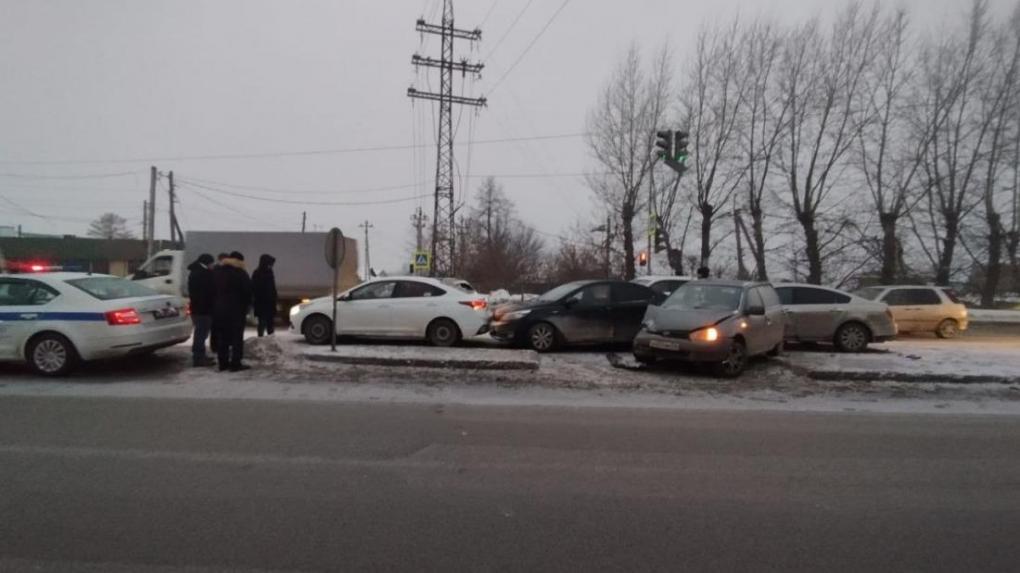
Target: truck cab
{"type": "Point", "coordinates": [164, 273]}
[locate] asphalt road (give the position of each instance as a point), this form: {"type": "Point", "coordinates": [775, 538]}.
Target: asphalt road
{"type": "Point", "coordinates": [168, 485]}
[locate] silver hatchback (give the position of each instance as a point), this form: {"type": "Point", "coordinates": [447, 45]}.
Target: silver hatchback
{"type": "Point", "coordinates": [820, 314]}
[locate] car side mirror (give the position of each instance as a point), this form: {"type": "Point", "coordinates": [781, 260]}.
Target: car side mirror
{"type": "Point", "coordinates": [139, 275]}
{"type": "Point", "coordinates": [344, 297]}
{"type": "Point", "coordinates": [570, 302]}
{"type": "Point", "coordinates": [756, 310]}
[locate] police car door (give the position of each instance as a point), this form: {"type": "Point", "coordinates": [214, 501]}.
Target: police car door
{"type": "Point", "coordinates": [20, 312]}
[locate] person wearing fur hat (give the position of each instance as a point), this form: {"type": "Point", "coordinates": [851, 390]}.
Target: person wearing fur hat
{"type": "Point", "coordinates": [230, 311]}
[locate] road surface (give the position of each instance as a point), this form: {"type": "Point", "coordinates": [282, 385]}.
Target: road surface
{"type": "Point", "coordinates": [206, 485]}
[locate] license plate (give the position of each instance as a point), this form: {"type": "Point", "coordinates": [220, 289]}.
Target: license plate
{"type": "Point", "coordinates": [168, 312]}
{"type": "Point", "coordinates": [665, 345]}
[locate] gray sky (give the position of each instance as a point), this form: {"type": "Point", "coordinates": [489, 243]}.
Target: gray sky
{"type": "Point", "coordinates": [123, 79]}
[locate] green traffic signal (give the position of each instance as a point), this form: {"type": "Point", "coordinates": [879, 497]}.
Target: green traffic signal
{"type": "Point", "coordinates": [680, 142]}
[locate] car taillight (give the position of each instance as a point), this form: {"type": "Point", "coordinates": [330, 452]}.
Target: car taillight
{"type": "Point", "coordinates": [187, 309]}
{"type": "Point", "coordinates": [123, 317]}
{"type": "Point", "coordinates": [478, 304]}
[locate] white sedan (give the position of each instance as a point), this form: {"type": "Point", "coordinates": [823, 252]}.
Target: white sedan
{"type": "Point", "coordinates": [441, 311]}
{"type": "Point", "coordinates": [53, 321]}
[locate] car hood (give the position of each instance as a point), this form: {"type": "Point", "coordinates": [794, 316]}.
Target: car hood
{"type": "Point", "coordinates": [685, 320]}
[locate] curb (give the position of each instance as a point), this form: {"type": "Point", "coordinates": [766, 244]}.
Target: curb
{"type": "Point", "coordinates": [452, 363]}
{"type": "Point", "coordinates": [917, 378]}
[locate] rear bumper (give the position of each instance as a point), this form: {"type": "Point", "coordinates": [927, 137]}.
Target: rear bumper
{"type": "Point", "coordinates": [138, 342]}
{"type": "Point", "coordinates": [648, 345]}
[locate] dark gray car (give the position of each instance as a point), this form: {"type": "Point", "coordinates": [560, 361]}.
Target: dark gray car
{"type": "Point", "coordinates": [820, 314]}
{"type": "Point", "coordinates": [719, 322]}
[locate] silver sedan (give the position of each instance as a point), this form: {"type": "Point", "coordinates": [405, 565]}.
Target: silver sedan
{"type": "Point", "coordinates": [820, 314]}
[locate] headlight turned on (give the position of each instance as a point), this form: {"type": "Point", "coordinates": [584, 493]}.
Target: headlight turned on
{"type": "Point", "coordinates": [295, 309]}
{"type": "Point", "coordinates": [710, 334]}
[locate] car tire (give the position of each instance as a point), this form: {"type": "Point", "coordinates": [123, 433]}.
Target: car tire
{"type": "Point", "coordinates": [735, 362]}
{"type": "Point", "coordinates": [852, 337]}
{"type": "Point", "coordinates": [52, 355]}
{"type": "Point", "coordinates": [543, 337]}
{"type": "Point", "coordinates": [947, 329]}
{"type": "Point", "coordinates": [443, 332]}
{"type": "Point", "coordinates": [317, 329]}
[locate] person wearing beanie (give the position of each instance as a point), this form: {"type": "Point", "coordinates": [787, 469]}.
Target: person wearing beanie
{"type": "Point", "coordinates": [230, 311]}
{"type": "Point", "coordinates": [201, 291]}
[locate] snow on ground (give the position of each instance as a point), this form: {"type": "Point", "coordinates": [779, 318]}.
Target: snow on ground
{"type": "Point", "coordinates": [921, 360]}
{"type": "Point", "coordinates": [996, 316]}
{"type": "Point", "coordinates": [582, 378]}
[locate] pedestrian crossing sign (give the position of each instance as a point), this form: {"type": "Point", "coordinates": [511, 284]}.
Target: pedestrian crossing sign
{"type": "Point", "coordinates": [421, 261]}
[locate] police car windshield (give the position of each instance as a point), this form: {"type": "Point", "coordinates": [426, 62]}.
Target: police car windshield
{"type": "Point", "coordinates": [111, 288]}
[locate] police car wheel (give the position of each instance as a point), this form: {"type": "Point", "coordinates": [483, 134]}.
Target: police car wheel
{"type": "Point", "coordinates": [52, 355]}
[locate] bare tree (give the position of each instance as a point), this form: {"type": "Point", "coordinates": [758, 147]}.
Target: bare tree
{"type": "Point", "coordinates": [955, 69]}
{"type": "Point", "coordinates": [621, 136]}
{"type": "Point", "coordinates": [497, 250]}
{"type": "Point", "coordinates": [891, 145]}
{"type": "Point", "coordinates": [110, 226]}
{"type": "Point", "coordinates": [765, 123]}
{"type": "Point", "coordinates": [823, 81]}
{"type": "Point", "coordinates": [999, 101]}
{"type": "Point", "coordinates": [712, 101]}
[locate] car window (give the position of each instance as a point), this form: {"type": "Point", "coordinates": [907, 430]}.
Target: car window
{"type": "Point", "coordinates": [951, 294]}
{"type": "Point", "coordinates": [374, 291]}
{"type": "Point", "coordinates": [809, 295]}
{"type": "Point", "coordinates": [785, 295]}
{"type": "Point", "coordinates": [870, 293]}
{"type": "Point", "coordinates": [629, 292]}
{"type": "Point", "coordinates": [754, 299]}
{"type": "Point", "coordinates": [559, 292]}
{"type": "Point", "coordinates": [592, 295]}
{"type": "Point", "coordinates": [111, 288]}
{"type": "Point", "coordinates": [912, 296]}
{"type": "Point", "coordinates": [20, 292]}
{"type": "Point", "coordinates": [770, 296]}
{"type": "Point", "coordinates": [696, 296]}
{"type": "Point", "coordinates": [414, 289]}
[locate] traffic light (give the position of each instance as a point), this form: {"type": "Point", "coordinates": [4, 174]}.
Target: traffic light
{"type": "Point", "coordinates": [664, 144]}
{"type": "Point", "coordinates": [643, 258]}
{"type": "Point", "coordinates": [681, 139]}
{"type": "Point", "coordinates": [661, 242]}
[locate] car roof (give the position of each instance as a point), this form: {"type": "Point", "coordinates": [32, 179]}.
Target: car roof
{"type": "Point", "coordinates": [898, 287]}
{"type": "Point", "coordinates": [657, 278]}
{"type": "Point", "coordinates": [729, 283]}
{"type": "Point", "coordinates": [56, 277]}
{"type": "Point", "coordinates": [807, 285]}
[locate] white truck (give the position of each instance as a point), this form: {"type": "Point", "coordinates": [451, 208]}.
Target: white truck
{"type": "Point", "coordinates": [301, 270]}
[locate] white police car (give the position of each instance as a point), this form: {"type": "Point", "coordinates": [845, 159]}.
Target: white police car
{"type": "Point", "coordinates": [56, 320]}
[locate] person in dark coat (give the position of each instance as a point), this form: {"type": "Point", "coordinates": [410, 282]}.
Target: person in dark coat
{"type": "Point", "coordinates": [201, 290]}
{"type": "Point", "coordinates": [230, 311]}
{"type": "Point", "coordinates": [263, 289]}
{"type": "Point", "coordinates": [214, 334]}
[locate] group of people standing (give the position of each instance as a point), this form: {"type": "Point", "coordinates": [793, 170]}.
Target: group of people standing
{"type": "Point", "coordinates": [221, 294]}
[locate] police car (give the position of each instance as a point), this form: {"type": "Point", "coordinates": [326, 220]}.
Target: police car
{"type": "Point", "coordinates": [54, 321]}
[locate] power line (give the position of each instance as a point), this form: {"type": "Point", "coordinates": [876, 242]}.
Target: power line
{"type": "Point", "coordinates": [530, 45]}
{"type": "Point", "coordinates": [264, 155]}
{"type": "Point", "coordinates": [298, 191]}
{"type": "Point", "coordinates": [499, 42]}
{"type": "Point", "coordinates": [193, 185]}
{"type": "Point", "coordinates": [80, 176]}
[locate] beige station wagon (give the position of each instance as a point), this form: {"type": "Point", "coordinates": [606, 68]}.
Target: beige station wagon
{"type": "Point", "coordinates": [922, 308]}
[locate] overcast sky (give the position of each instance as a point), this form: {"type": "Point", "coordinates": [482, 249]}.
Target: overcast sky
{"type": "Point", "coordinates": [106, 88]}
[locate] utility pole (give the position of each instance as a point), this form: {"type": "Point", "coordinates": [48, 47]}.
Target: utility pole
{"type": "Point", "coordinates": [145, 224]}
{"type": "Point", "coordinates": [150, 224]}
{"type": "Point", "coordinates": [418, 220]}
{"type": "Point", "coordinates": [304, 220]}
{"type": "Point", "coordinates": [176, 235]}
{"type": "Point", "coordinates": [443, 216]}
{"type": "Point", "coordinates": [368, 263]}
